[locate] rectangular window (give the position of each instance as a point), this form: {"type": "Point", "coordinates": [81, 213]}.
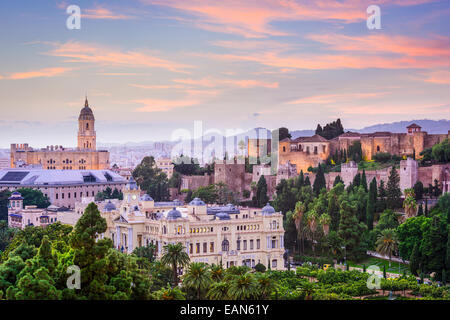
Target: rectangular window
{"type": "Point", "coordinates": [191, 249]}
{"type": "Point", "coordinates": [258, 244]}
{"type": "Point", "coordinates": [211, 247]}
{"type": "Point", "coordinates": [251, 244]}
{"type": "Point", "coordinates": [197, 248]}
{"type": "Point", "coordinates": [238, 245]}
{"type": "Point", "coordinates": [274, 244]}
{"type": "Point", "coordinates": [274, 263]}
{"type": "Point", "coordinates": [245, 244]}
{"type": "Point", "coordinates": [205, 247]}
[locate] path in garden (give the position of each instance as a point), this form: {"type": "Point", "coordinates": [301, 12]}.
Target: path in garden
{"type": "Point", "coordinates": [377, 255]}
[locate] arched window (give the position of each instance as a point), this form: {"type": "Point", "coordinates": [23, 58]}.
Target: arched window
{"type": "Point", "coordinates": [225, 245]}
{"type": "Point", "coordinates": [378, 148]}
{"type": "Point", "coordinates": [87, 126]}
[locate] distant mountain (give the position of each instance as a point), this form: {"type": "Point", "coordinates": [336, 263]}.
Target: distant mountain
{"type": "Point", "coordinates": [430, 126]}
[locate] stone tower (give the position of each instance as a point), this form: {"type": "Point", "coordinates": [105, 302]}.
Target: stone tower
{"type": "Point", "coordinates": [87, 138]}
{"type": "Point", "coordinates": [348, 172]}
{"type": "Point", "coordinates": [408, 173]}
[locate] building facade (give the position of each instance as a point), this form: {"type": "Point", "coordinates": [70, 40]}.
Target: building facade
{"type": "Point", "coordinates": [20, 217]}
{"type": "Point", "coordinates": [310, 151]}
{"type": "Point", "coordinates": [84, 157]}
{"type": "Point", "coordinates": [166, 165]}
{"type": "Point", "coordinates": [212, 234]}
{"type": "Point", "coordinates": [63, 188]}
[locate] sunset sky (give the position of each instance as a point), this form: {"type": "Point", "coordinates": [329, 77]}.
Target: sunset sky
{"type": "Point", "coordinates": [152, 66]}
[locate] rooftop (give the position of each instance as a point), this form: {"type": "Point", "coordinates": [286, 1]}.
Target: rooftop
{"type": "Point", "coordinates": [39, 177]}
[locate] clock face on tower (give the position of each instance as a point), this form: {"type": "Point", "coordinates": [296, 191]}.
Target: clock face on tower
{"type": "Point", "coordinates": [133, 197]}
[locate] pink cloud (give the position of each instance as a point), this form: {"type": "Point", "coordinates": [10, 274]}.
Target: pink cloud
{"type": "Point", "coordinates": [103, 56]}
{"type": "Point", "coordinates": [158, 105]}
{"type": "Point", "coordinates": [100, 12]}
{"type": "Point", "coordinates": [438, 77]}
{"type": "Point", "coordinates": [334, 98]}
{"type": "Point", "coordinates": [212, 82]}
{"type": "Point", "coordinates": [374, 44]}
{"type": "Point", "coordinates": [253, 18]}
{"type": "Point", "coordinates": [41, 73]}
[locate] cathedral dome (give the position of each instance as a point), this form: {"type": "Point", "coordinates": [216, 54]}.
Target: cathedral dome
{"type": "Point", "coordinates": [223, 216]}
{"type": "Point", "coordinates": [86, 113]}
{"type": "Point", "coordinates": [110, 206]}
{"type": "Point", "coordinates": [174, 214]}
{"type": "Point", "coordinates": [268, 210]}
{"type": "Point", "coordinates": [197, 202]}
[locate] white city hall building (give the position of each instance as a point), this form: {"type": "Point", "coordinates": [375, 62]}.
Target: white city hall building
{"type": "Point", "coordinates": [212, 234]}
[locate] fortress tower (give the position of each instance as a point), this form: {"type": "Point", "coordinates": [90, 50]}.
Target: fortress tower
{"type": "Point", "coordinates": [87, 138]}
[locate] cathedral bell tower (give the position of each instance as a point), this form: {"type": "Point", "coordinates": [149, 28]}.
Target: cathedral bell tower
{"type": "Point", "coordinates": [87, 139]}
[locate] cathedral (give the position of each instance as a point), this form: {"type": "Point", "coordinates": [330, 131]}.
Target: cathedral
{"type": "Point", "coordinates": [84, 157]}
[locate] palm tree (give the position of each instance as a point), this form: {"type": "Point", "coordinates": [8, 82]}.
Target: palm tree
{"type": "Point", "coordinates": [325, 221]}
{"type": "Point", "coordinates": [175, 256]}
{"type": "Point", "coordinates": [217, 273]}
{"type": "Point", "coordinates": [386, 243]}
{"type": "Point", "coordinates": [266, 285]}
{"type": "Point", "coordinates": [410, 203]}
{"type": "Point", "coordinates": [312, 219]}
{"type": "Point", "coordinates": [218, 291]}
{"type": "Point", "coordinates": [299, 211]}
{"type": "Point", "coordinates": [197, 277]}
{"type": "Point", "coordinates": [243, 287]}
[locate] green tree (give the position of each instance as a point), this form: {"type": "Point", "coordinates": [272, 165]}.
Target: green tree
{"type": "Point", "coordinates": [89, 253]}
{"type": "Point", "coordinates": [393, 192]}
{"type": "Point", "coordinates": [371, 203]}
{"type": "Point", "coordinates": [415, 260]}
{"type": "Point", "coordinates": [4, 195]}
{"type": "Point", "coordinates": [197, 278]}
{"type": "Point", "coordinates": [33, 197]}
{"type": "Point", "coordinates": [243, 287]}
{"type": "Point", "coordinates": [337, 180]}
{"type": "Point", "coordinates": [387, 243]}
{"type": "Point", "coordinates": [409, 203]}
{"type": "Point", "coordinates": [265, 284]}
{"type": "Point", "coordinates": [350, 230]}
{"type": "Point", "coordinates": [175, 256]}
{"type": "Point", "coordinates": [364, 180]}
{"type": "Point", "coordinates": [441, 151]}
{"type": "Point", "coordinates": [151, 179]}
{"type": "Point", "coordinates": [319, 181]}
{"type": "Point", "coordinates": [261, 193]}
{"type": "Point", "coordinates": [218, 291]}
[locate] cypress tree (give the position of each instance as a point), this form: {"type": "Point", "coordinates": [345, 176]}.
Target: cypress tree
{"type": "Point", "coordinates": [261, 192]}
{"type": "Point", "coordinates": [307, 182]}
{"type": "Point", "coordinates": [357, 180]}
{"type": "Point", "coordinates": [371, 203]}
{"type": "Point", "coordinates": [414, 260]}
{"type": "Point", "coordinates": [337, 180]}
{"type": "Point", "coordinates": [364, 180]}
{"type": "Point", "coordinates": [319, 181]}
{"type": "Point", "coordinates": [393, 190]}
{"type": "Point", "coordinates": [447, 254]}
{"type": "Point", "coordinates": [300, 180]}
